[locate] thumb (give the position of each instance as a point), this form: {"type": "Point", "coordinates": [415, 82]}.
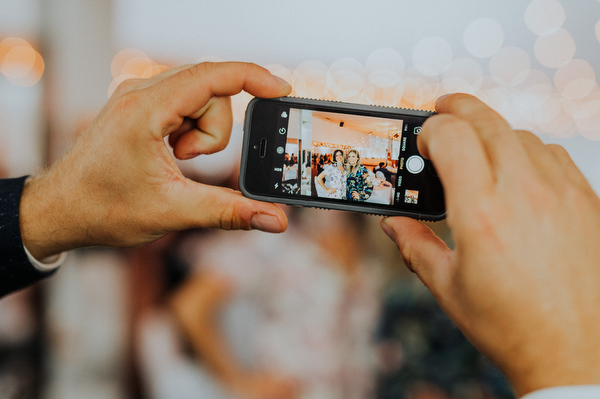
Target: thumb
{"type": "Point", "coordinates": [423, 252]}
{"type": "Point", "coordinates": [218, 207]}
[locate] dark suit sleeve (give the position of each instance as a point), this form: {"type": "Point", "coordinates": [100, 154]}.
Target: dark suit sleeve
{"type": "Point", "coordinates": [16, 271]}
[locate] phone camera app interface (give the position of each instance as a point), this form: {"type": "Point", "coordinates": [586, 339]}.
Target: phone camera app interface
{"type": "Point", "coordinates": [348, 157]}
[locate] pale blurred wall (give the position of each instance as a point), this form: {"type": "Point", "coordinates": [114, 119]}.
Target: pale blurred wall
{"type": "Point", "coordinates": [523, 57]}
{"type": "Point", "coordinates": [75, 41]}
{"type": "Point", "coordinates": [431, 42]}
{"type": "Point", "coordinates": [78, 40]}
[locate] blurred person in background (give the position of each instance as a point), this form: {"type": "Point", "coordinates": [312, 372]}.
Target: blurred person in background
{"type": "Point", "coordinates": [281, 316]}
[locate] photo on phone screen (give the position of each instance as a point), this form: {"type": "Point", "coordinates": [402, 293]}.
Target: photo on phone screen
{"type": "Point", "coordinates": [347, 157]}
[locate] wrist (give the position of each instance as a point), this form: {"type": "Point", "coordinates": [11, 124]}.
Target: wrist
{"type": "Point", "coordinates": [567, 362]}
{"type": "Point", "coordinates": [44, 218]}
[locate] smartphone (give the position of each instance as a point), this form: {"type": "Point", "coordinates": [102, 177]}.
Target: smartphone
{"type": "Point", "coordinates": [335, 155]}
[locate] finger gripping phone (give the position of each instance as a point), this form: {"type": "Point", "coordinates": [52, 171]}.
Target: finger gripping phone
{"type": "Point", "coordinates": [335, 155]}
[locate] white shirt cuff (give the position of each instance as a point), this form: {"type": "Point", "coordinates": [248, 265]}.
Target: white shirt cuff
{"type": "Point", "coordinates": [571, 392]}
{"type": "Point", "coordinates": [48, 264]}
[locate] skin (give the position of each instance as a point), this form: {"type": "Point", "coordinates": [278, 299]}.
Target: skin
{"type": "Point", "coordinates": [522, 282]}
{"type": "Point", "coordinates": [119, 185]}
{"type": "Point", "coordinates": [352, 158]}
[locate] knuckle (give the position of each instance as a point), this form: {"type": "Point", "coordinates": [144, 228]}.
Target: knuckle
{"type": "Point", "coordinates": [201, 70]}
{"type": "Point", "coordinates": [128, 85]}
{"type": "Point", "coordinates": [558, 151]}
{"type": "Point", "coordinates": [130, 102]}
{"type": "Point", "coordinates": [231, 216]}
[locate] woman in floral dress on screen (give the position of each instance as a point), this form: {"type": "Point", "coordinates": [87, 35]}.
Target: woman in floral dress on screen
{"type": "Point", "coordinates": [359, 185]}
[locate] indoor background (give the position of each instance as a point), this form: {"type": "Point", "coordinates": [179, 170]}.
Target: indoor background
{"type": "Point", "coordinates": [103, 327]}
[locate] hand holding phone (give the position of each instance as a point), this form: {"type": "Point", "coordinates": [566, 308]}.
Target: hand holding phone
{"type": "Point", "coordinates": [341, 156]}
{"type": "Point", "coordinates": [522, 280]}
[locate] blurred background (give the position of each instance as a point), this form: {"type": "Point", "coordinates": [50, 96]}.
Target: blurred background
{"type": "Point", "coordinates": [325, 310]}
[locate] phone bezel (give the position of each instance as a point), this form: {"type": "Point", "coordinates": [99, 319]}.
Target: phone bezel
{"type": "Point", "coordinates": [317, 202]}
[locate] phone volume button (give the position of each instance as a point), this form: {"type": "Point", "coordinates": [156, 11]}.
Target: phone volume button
{"type": "Point", "coordinates": [263, 148]}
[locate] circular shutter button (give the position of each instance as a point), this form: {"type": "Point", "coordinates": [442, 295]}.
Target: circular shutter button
{"type": "Point", "coordinates": [415, 164]}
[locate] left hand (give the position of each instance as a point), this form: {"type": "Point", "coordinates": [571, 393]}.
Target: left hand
{"type": "Point", "coordinates": [119, 185]}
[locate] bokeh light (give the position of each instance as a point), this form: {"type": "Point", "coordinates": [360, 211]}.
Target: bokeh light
{"type": "Point", "coordinates": [385, 67]}
{"type": "Point", "coordinates": [432, 55]}
{"type": "Point", "coordinates": [130, 64]}
{"type": "Point", "coordinates": [585, 107]}
{"type": "Point", "coordinates": [20, 63]}
{"type": "Point", "coordinates": [496, 96]}
{"type": "Point", "coordinates": [420, 92]}
{"type": "Point", "coordinates": [559, 103]}
{"type": "Point", "coordinates": [556, 49]}
{"type": "Point", "coordinates": [385, 96]}
{"type": "Point", "coordinates": [464, 75]}
{"type": "Point", "coordinates": [122, 58]}
{"type": "Point", "coordinates": [588, 127]}
{"type": "Point", "coordinates": [281, 71]}
{"type": "Point", "coordinates": [544, 17]}
{"type": "Point", "coordinates": [576, 79]}
{"type": "Point", "coordinates": [348, 78]}
{"type": "Point", "coordinates": [310, 80]}
{"type": "Point", "coordinates": [510, 66]}
{"type": "Point", "coordinates": [483, 37]}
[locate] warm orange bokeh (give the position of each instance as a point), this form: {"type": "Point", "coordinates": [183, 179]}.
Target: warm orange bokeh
{"type": "Point", "coordinates": [20, 63]}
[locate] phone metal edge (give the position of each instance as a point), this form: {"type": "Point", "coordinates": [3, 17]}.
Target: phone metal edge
{"type": "Point", "coordinates": [328, 205]}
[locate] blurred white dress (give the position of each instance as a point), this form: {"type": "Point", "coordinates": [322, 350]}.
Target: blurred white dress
{"type": "Point", "coordinates": [294, 312]}
{"type": "Point", "coordinates": [336, 179]}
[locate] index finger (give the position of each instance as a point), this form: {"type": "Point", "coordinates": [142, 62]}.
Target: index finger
{"type": "Point", "coordinates": [494, 132]}
{"type": "Point", "coordinates": [187, 91]}
{"type": "Point", "coordinates": [459, 158]}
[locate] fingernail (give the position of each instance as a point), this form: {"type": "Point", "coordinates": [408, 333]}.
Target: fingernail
{"type": "Point", "coordinates": [388, 230]}
{"type": "Point", "coordinates": [282, 81]}
{"type": "Point", "coordinates": [440, 98]}
{"type": "Point", "coordinates": [189, 156]}
{"type": "Point", "coordinates": [264, 222]}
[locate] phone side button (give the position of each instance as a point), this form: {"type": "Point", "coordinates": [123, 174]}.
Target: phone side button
{"type": "Point", "coordinates": [263, 148]}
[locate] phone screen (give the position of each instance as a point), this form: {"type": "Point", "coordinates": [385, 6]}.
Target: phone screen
{"type": "Point", "coordinates": [345, 158]}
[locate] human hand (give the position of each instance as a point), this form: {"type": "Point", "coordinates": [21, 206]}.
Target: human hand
{"type": "Point", "coordinates": [522, 282]}
{"type": "Point", "coordinates": [119, 185]}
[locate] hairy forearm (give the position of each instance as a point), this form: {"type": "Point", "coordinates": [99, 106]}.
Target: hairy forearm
{"type": "Point", "coordinates": [47, 227]}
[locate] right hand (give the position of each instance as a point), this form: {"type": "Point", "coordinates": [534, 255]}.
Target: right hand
{"type": "Point", "coordinates": [523, 282]}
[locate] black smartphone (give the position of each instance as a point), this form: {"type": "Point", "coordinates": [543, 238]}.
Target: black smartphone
{"type": "Point", "coordinates": [335, 155]}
